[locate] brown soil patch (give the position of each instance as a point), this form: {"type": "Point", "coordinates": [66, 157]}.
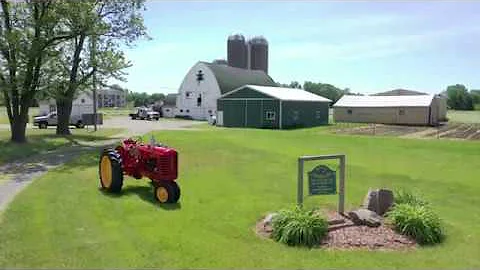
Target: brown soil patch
{"type": "Point", "coordinates": [349, 236]}
{"type": "Point", "coordinates": [446, 131]}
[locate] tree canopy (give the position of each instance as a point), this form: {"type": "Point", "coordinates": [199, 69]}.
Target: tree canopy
{"type": "Point", "coordinates": [459, 98]}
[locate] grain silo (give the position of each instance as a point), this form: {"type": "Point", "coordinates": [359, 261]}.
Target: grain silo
{"type": "Point", "coordinates": [237, 51]}
{"type": "Point", "coordinates": [258, 54]}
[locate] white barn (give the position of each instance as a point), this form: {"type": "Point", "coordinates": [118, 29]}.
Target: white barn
{"type": "Point", "coordinates": [206, 82]}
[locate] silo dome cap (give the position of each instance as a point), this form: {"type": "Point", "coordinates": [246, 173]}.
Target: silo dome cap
{"type": "Point", "coordinates": [258, 40]}
{"type": "Point", "coordinates": [236, 37]}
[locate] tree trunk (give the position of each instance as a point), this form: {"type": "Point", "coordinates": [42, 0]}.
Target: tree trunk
{"type": "Point", "coordinates": [18, 129]}
{"type": "Point", "coordinates": [64, 110]}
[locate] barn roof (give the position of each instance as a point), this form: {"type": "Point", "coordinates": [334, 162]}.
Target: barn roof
{"type": "Point", "coordinates": [385, 101]}
{"type": "Point", "coordinates": [230, 78]}
{"type": "Point", "coordinates": [287, 94]}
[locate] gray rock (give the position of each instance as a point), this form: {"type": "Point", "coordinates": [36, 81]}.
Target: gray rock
{"type": "Point", "coordinates": [378, 201]}
{"type": "Point", "coordinates": [268, 219]}
{"type": "Point", "coordinates": [365, 217]}
{"type": "Point", "coordinates": [385, 201]}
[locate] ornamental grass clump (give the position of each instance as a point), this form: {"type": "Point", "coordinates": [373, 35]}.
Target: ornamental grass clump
{"type": "Point", "coordinates": [403, 196]}
{"type": "Point", "coordinates": [299, 227]}
{"type": "Point", "coordinates": [418, 222]}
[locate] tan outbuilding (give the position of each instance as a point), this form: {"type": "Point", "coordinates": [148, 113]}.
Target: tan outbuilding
{"type": "Point", "coordinates": [401, 110]}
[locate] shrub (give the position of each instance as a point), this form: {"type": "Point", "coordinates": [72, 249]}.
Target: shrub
{"type": "Point", "coordinates": [403, 196]}
{"type": "Point", "coordinates": [298, 227]}
{"type": "Point", "coordinates": [418, 222]}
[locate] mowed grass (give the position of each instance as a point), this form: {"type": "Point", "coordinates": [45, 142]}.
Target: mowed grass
{"type": "Point", "coordinates": [4, 117]}
{"type": "Point", "coordinates": [229, 179]}
{"type": "Point", "coordinates": [464, 116]}
{"type": "Point", "coordinates": [39, 140]}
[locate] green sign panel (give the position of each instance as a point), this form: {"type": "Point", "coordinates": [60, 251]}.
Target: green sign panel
{"type": "Point", "coordinates": [322, 181]}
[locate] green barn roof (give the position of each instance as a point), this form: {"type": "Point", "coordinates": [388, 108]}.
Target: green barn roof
{"type": "Point", "coordinates": [230, 78]}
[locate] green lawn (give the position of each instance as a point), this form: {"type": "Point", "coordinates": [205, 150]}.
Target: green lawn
{"type": "Point", "coordinates": [45, 139]}
{"type": "Point", "coordinates": [229, 179]}
{"type": "Point", "coordinates": [464, 116]}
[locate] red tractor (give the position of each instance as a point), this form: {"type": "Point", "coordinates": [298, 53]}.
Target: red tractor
{"type": "Point", "coordinates": [136, 159]}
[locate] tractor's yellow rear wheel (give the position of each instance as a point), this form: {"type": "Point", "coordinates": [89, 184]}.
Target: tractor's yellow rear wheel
{"type": "Point", "coordinates": [110, 171]}
{"type": "Point", "coordinates": [166, 191]}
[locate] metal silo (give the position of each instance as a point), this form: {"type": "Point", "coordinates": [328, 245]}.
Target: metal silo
{"type": "Point", "coordinates": [237, 51]}
{"type": "Point", "coordinates": [258, 53]}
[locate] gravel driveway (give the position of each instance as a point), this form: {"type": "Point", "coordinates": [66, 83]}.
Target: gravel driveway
{"type": "Point", "coordinates": [138, 127]}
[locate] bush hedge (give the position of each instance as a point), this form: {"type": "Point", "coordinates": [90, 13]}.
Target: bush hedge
{"type": "Point", "coordinates": [299, 227]}
{"type": "Point", "coordinates": [412, 216]}
{"type": "Point", "coordinates": [406, 196]}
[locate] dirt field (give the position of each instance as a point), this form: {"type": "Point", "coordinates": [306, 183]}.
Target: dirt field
{"type": "Point", "coordinates": [463, 131]}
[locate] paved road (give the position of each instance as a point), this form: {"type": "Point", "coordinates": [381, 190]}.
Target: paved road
{"type": "Point", "coordinates": [139, 127]}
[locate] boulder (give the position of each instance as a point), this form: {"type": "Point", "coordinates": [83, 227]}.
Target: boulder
{"type": "Point", "coordinates": [268, 219]}
{"type": "Point", "coordinates": [378, 201]}
{"type": "Point", "coordinates": [365, 217]}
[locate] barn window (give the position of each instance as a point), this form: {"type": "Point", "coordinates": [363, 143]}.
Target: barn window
{"type": "Point", "coordinates": [199, 100]}
{"type": "Point", "coordinates": [188, 111]}
{"type": "Point", "coordinates": [349, 111]}
{"type": "Point", "coordinates": [181, 110]}
{"type": "Point", "coordinates": [270, 116]}
{"type": "Point", "coordinates": [318, 114]}
{"type": "Point", "coordinates": [209, 111]}
{"type": "Point", "coordinates": [83, 100]}
{"type": "Point", "coordinates": [401, 112]}
{"type": "Point", "coordinates": [167, 110]}
{"type": "Point", "coordinates": [188, 94]}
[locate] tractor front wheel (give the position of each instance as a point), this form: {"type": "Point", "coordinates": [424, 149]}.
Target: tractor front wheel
{"type": "Point", "coordinates": [110, 171]}
{"type": "Point", "coordinates": [166, 191]}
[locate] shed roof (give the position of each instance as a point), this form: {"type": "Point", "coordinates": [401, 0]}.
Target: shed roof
{"type": "Point", "coordinates": [385, 101]}
{"type": "Point", "coordinates": [230, 78]}
{"type": "Point", "coordinates": [400, 92]}
{"type": "Point", "coordinates": [281, 93]}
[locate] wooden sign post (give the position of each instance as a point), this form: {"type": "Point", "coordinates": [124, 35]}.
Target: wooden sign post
{"type": "Point", "coordinates": [322, 180]}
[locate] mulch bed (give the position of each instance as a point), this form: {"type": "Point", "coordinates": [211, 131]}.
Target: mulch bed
{"type": "Point", "coordinates": [349, 236]}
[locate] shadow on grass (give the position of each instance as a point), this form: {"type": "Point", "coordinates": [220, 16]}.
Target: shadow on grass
{"type": "Point", "coordinates": [145, 193]}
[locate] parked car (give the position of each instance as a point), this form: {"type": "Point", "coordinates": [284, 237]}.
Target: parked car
{"type": "Point", "coordinates": [50, 119]}
{"type": "Point", "coordinates": [145, 113]}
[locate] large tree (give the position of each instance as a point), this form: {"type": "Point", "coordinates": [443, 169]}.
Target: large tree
{"type": "Point", "coordinates": [101, 27]}
{"type": "Point", "coordinates": [459, 98]}
{"type": "Point", "coordinates": [27, 30]}
{"type": "Point", "coordinates": [325, 90]}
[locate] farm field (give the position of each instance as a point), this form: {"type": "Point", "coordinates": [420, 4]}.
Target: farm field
{"type": "Point", "coordinates": [464, 116]}
{"type": "Point", "coordinates": [229, 179]}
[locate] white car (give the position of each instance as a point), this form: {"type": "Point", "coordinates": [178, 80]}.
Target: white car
{"type": "Point", "coordinates": [50, 119]}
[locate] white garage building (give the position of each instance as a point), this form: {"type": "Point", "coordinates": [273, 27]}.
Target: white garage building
{"type": "Point", "coordinates": [206, 82]}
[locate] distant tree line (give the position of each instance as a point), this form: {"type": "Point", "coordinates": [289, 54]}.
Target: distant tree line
{"type": "Point", "coordinates": [322, 89]}
{"type": "Point", "coordinates": [144, 99]}
{"type": "Point", "coordinates": [459, 98]}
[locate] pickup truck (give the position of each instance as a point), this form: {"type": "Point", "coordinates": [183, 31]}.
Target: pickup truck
{"type": "Point", "coordinates": [50, 119]}
{"type": "Point", "coordinates": [145, 113]}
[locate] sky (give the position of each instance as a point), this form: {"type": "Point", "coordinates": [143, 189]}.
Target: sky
{"type": "Point", "coordinates": [367, 46]}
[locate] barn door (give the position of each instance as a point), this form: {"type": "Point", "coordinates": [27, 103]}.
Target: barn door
{"type": "Point", "coordinates": [220, 118]}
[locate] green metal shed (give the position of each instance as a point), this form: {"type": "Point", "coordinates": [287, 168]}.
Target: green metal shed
{"type": "Point", "coordinates": [257, 106]}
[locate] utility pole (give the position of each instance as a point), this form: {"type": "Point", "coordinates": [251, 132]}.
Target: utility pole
{"type": "Point", "coordinates": [93, 52]}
